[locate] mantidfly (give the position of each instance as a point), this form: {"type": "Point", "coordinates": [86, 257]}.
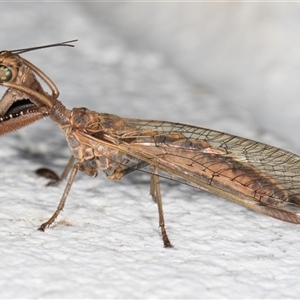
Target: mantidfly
{"type": "Point", "coordinates": [258, 176]}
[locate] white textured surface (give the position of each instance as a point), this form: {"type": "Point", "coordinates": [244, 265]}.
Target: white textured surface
{"type": "Point", "coordinates": [106, 243]}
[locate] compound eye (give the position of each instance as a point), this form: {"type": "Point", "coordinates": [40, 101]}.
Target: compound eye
{"type": "Point", "coordinates": [5, 73]}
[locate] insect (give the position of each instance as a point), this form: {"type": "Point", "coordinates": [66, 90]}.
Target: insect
{"type": "Point", "coordinates": [253, 174]}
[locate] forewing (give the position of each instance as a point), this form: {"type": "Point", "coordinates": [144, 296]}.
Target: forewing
{"type": "Point", "coordinates": [253, 174]}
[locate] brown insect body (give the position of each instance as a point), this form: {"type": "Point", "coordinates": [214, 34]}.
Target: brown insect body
{"type": "Point", "coordinates": [207, 162]}
{"type": "Point", "coordinates": [253, 174]}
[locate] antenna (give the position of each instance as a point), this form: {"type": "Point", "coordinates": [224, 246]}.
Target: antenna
{"type": "Point", "coordinates": [19, 51]}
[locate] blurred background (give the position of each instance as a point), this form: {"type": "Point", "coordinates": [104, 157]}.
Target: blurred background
{"type": "Point", "coordinates": [240, 60]}
{"type": "Point", "coordinates": [245, 54]}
